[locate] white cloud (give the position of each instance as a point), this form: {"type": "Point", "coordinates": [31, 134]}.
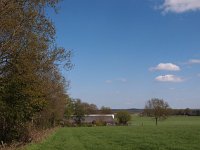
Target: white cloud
{"type": "Point", "coordinates": [194, 61]}
{"type": "Point", "coordinates": [180, 6]}
{"type": "Point", "coordinates": [169, 78]}
{"type": "Point", "coordinates": [166, 66]}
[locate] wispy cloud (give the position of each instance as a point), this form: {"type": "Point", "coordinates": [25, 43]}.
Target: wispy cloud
{"type": "Point", "coordinates": [198, 75]}
{"type": "Point", "coordinates": [180, 6]}
{"type": "Point", "coordinates": [194, 61]}
{"type": "Point", "coordinates": [166, 67]}
{"type": "Point", "coordinates": [122, 80]}
{"type": "Point", "coordinates": [168, 78]}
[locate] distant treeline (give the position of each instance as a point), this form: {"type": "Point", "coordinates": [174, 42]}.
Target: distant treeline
{"type": "Point", "coordinates": [131, 111]}
{"type": "Point", "coordinates": [187, 111]}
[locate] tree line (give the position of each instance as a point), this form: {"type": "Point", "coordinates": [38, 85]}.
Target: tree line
{"type": "Point", "coordinates": [77, 110]}
{"type": "Point", "coordinates": [32, 89]}
{"type": "Point", "coordinates": [185, 112]}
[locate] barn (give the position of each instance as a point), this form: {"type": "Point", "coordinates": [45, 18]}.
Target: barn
{"type": "Point", "coordinates": [107, 118]}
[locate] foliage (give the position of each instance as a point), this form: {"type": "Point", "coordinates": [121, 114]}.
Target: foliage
{"type": "Point", "coordinates": [99, 123]}
{"type": "Point", "coordinates": [106, 110]}
{"type": "Point", "coordinates": [157, 108]}
{"type": "Point", "coordinates": [78, 109]}
{"type": "Point", "coordinates": [123, 117]}
{"type": "Point", "coordinates": [90, 108]}
{"type": "Point", "coordinates": [69, 110]}
{"type": "Point", "coordinates": [31, 86]}
{"type": "Point", "coordinates": [186, 111]}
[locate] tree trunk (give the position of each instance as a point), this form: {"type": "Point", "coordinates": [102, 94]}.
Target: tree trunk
{"type": "Point", "coordinates": [156, 121]}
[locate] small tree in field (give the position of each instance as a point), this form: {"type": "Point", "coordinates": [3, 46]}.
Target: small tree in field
{"type": "Point", "coordinates": [123, 117]}
{"type": "Point", "coordinates": [157, 108]}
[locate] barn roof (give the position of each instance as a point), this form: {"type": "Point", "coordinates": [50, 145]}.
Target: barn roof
{"type": "Point", "coordinates": [101, 115]}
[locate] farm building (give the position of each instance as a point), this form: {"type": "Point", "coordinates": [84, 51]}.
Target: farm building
{"type": "Point", "coordinates": [108, 118]}
{"type": "Point", "coordinates": [93, 118]}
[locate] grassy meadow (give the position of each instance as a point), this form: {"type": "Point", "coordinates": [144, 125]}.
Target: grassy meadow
{"type": "Point", "coordinates": [175, 133]}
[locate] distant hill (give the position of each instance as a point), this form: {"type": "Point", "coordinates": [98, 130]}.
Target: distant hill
{"type": "Point", "coordinates": [131, 110]}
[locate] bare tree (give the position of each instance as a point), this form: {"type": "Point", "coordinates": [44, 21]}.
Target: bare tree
{"type": "Point", "coordinates": [157, 108]}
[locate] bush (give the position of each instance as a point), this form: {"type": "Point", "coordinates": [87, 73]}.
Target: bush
{"type": "Point", "coordinates": [123, 117]}
{"type": "Point", "coordinates": [15, 132]}
{"type": "Point", "coordinates": [86, 125]}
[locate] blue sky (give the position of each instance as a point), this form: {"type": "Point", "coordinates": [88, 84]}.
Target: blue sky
{"type": "Point", "coordinates": [128, 51]}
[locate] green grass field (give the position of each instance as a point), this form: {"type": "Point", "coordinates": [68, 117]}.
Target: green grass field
{"type": "Point", "coordinates": [175, 133]}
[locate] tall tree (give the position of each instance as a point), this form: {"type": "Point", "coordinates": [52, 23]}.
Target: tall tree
{"type": "Point", "coordinates": [157, 108]}
{"type": "Point", "coordinates": [29, 62]}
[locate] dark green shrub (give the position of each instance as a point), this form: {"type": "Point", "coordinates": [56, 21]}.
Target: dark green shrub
{"type": "Point", "coordinates": [123, 117]}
